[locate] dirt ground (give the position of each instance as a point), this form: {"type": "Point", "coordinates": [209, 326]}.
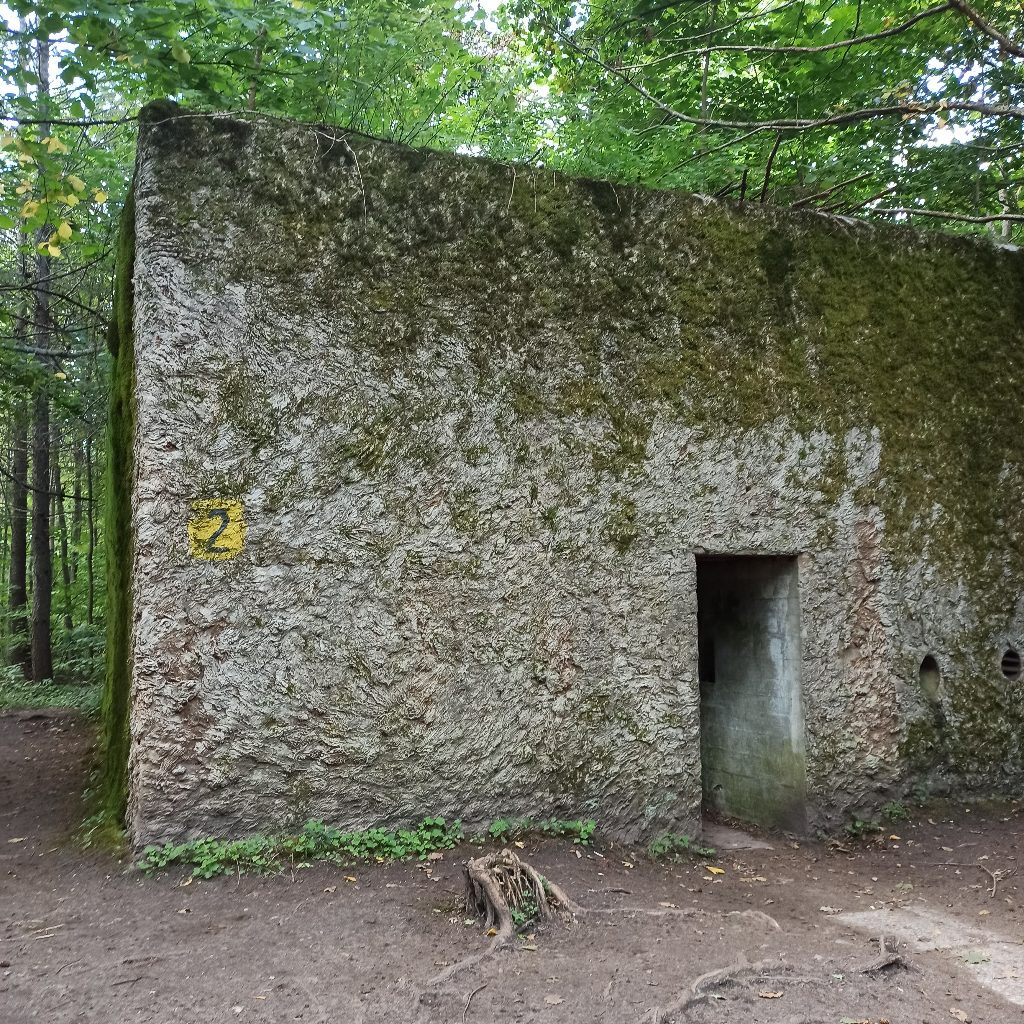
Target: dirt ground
{"type": "Point", "coordinates": [781, 935]}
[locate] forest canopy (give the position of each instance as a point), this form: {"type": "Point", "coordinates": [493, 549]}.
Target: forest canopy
{"type": "Point", "coordinates": [908, 111]}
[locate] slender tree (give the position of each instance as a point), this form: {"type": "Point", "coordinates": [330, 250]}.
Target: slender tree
{"type": "Point", "coordinates": [42, 561]}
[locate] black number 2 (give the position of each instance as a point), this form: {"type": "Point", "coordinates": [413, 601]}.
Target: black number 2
{"type": "Point", "coordinates": [211, 543]}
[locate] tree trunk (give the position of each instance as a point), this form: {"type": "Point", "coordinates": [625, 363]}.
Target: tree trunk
{"type": "Point", "coordinates": [76, 510]}
{"type": "Point", "coordinates": [19, 651]}
{"type": "Point", "coordinates": [42, 564]}
{"type": "Point", "coordinates": [62, 531]}
{"type": "Point", "coordinates": [90, 511]}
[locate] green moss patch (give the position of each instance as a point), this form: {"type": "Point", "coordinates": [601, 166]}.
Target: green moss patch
{"type": "Point", "coordinates": [112, 789]}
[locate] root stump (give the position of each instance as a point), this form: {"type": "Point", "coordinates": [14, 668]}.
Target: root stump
{"type": "Point", "coordinates": [500, 887]}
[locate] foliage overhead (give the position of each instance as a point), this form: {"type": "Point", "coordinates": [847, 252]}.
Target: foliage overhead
{"type": "Point", "coordinates": [851, 106]}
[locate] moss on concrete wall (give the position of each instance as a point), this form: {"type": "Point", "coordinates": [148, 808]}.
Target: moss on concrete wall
{"type": "Point", "coordinates": [118, 532]}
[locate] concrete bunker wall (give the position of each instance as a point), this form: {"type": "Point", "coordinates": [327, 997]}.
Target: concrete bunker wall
{"type": "Point", "coordinates": [426, 450]}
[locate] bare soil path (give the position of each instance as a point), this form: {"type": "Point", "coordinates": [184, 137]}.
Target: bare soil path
{"type": "Point", "coordinates": [782, 935]}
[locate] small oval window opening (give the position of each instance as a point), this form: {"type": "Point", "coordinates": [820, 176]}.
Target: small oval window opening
{"type": "Point", "coordinates": [1011, 664]}
{"type": "Point", "coordinates": [931, 677]}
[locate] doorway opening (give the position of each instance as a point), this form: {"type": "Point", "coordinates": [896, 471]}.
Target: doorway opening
{"type": "Point", "coordinates": [751, 717]}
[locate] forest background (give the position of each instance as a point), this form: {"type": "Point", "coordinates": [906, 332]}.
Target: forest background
{"type": "Point", "coordinates": [889, 110]}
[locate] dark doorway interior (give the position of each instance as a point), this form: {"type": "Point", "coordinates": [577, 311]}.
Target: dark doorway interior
{"type": "Point", "coordinates": [751, 718]}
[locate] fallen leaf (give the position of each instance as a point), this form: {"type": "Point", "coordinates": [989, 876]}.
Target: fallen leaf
{"type": "Point", "coordinates": [894, 838]}
{"type": "Point", "coordinates": [672, 905]}
{"type": "Point", "coordinates": [519, 844]}
{"type": "Point", "coordinates": [552, 1000]}
{"type": "Point", "coordinates": [831, 910]}
{"type": "Point", "coordinates": [769, 995]}
{"type": "Point", "coordinates": [959, 1015]}
{"type": "Point", "coordinates": [20, 839]}
{"type": "Point", "coordinates": [331, 888]}
{"type": "Point", "coordinates": [350, 878]}
{"type": "Point", "coordinates": [715, 871]}
{"type": "Point", "coordinates": [492, 931]}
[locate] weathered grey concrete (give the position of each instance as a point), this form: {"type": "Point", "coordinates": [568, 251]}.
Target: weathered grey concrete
{"type": "Point", "coordinates": [479, 424]}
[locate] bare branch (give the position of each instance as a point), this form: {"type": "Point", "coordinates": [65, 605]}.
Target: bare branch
{"type": "Point", "coordinates": [1004, 41]}
{"type": "Point", "coordinates": [943, 215]}
{"type": "Point", "coordinates": [824, 48]}
{"type": "Point", "coordinates": [768, 167]}
{"type": "Point", "coordinates": [800, 124]}
{"type": "Point", "coordinates": [67, 122]}
{"type": "Point", "coordinates": [846, 208]}
{"type": "Point", "coordinates": [830, 191]}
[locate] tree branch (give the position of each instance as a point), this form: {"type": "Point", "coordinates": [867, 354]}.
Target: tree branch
{"type": "Point", "coordinates": [800, 124]}
{"type": "Point", "coordinates": [67, 122]}
{"type": "Point", "coordinates": [1004, 41]}
{"type": "Point", "coordinates": [768, 167]}
{"type": "Point", "coordinates": [943, 215]}
{"type": "Point", "coordinates": [824, 48]}
{"type": "Point", "coordinates": [830, 191]}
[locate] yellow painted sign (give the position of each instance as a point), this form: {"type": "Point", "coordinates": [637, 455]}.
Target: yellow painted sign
{"type": "Point", "coordinates": [217, 529]}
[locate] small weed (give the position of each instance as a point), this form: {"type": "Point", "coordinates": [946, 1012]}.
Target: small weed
{"type": "Point", "coordinates": [859, 828]}
{"type": "Point", "coordinates": [526, 911]}
{"type": "Point", "coordinates": [506, 829]}
{"type": "Point", "coordinates": [895, 811]}
{"type": "Point", "coordinates": [316, 842]}
{"type": "Point", "coordinates": [673, 845]}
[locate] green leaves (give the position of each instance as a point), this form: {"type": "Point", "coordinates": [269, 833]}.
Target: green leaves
{"type": "Point", "coordinates": [605, 68]}
{"type": "Point", "coordinates": [316, 842]}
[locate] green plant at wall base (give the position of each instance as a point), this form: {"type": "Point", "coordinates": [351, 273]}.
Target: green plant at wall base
{"type": "Point", "coordinates": [859, 827]}
{"type": "Point", "coordinates": [895, 811]}
{"type": "Point", "coordinates": [210, 857]}
{"type": "Point", "coordinates": [672, 845]}
{"type": "Point", "coordinates": [505, 829]}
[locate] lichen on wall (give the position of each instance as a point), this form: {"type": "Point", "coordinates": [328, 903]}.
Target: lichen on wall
{"type": "Point", "coordinates": [480, 420]}
{"type": "Point", "coordinates": [115, 741]}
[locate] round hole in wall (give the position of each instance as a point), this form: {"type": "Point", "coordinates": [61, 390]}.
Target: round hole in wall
{"type": "Point", "coordinates": [1011, 664]}
{"type": "Point", "coordinates": [931, 677]}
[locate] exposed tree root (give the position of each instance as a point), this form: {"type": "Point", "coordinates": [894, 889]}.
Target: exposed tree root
{"type": "Point", "coordinates": [507, 892]}
{"type": "Point", "coordinates": [887, 957]}
{"type": "Point", "coordinates": [501, 888]}
{"type": "Point", "coordinates": [648, 911]}
{"type": "Point", "coordinates": [757, 915]}
{"type": "Point", "coordinates": [702, 987]}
